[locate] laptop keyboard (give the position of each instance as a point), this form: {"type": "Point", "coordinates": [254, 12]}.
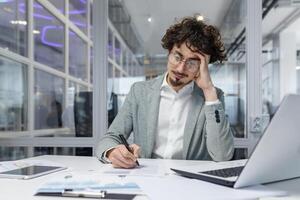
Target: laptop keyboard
{"type": "Point", "coordinates": [227, 172]}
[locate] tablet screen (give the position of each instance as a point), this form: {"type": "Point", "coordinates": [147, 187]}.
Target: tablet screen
{"type": "Point", "coordinates": [31, 170]}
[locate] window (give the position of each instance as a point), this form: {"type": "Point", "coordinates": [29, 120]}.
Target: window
{"type": "Point", "coordinates": [78, 13]}
{"type": "Point", "coordinates": [13, 95]}
{"type": "Point", "coordinates": [49, 41]}
{"type": "Point", "coordinates": [47, 93]}
{"type": "Point", "coordinates": [13, 23]}
{"type": "Point", "coordinates": [77, 57]}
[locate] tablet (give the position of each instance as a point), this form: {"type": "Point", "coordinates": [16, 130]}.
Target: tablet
{"type": "Point", "coordinates": [29, 172]}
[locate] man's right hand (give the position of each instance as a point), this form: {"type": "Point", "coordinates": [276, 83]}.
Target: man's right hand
{"type": "Point", "coordinates": [120, 157]}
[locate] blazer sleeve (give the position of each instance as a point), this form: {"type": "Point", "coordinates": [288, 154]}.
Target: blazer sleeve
{"type": "Point", "coordinates": [219, 138]}
{"type": "Point", "coordinates": [122, 124]}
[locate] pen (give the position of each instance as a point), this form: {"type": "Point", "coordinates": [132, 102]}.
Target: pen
{"type": "Point", "coordinates": [127, 147]}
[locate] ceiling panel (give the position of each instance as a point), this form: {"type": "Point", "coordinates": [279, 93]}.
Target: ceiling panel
{"type": "Point", "coordinates": [164, 13]}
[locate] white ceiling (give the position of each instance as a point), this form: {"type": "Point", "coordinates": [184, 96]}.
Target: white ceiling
{"type": "Point", "coordinates": [164, 12]}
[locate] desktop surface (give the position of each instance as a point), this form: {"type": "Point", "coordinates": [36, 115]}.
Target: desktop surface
{"type": "Point", "coordinates": [25, 189]}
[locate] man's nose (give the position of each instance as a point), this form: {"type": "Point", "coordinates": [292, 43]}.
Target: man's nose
{"type": "Point", "coordinates": [181, 67]}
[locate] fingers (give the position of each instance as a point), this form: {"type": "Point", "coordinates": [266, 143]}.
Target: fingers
{"type": "Point", "coordinates": [204, 58]}
{"type": "Point", "coordinates": [121, 157]}
{"type": "Point", "coordinates": [136, 150]}
{"type": "Point", "coordinates": [197, 75]}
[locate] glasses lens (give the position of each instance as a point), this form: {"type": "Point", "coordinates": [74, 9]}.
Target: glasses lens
{"type": "Point", "coordinates": [192, 65]}
{"type": "Point", "coordinates": [174, 58]}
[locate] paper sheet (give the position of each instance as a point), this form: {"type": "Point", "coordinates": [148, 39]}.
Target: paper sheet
{"type": "Point", "coordinates": [142, 170]}
{"type": "Point", "coordinates": [88, 182]}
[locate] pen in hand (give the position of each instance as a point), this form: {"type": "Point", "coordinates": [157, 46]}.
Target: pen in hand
{"type": "Point", "coordinates": [127, 147]}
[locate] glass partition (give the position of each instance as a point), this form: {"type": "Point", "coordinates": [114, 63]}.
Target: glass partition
{"type": "Point", "coordinates": [13, 26]}
{"type": "Point", "coordinates": [281, 55]}
{"type": "Point", "coordinates": [13, 96]}
{"type": "Point", "coordinates": [77, 56]}
{"type": "Point", "coordinates": [231, 77]}
{"type": "Point", "coordinates": [78, 13]}
{"type": "Point", "coordinates": [49, 100]}
{"type": "Point", "coordinates": [49, 42]}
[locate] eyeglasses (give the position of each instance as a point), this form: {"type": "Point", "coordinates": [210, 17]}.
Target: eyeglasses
{"type": "Point", "coordinates": [191, 65]}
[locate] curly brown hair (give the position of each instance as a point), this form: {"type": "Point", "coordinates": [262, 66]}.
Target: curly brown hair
{"type": "Point", "coordinates": [198, 36]}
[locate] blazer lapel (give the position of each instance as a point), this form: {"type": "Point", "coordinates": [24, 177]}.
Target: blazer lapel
{"type": "Point", "coordinates": [196, 105]}
{"type": "Point", "coordinates": [153, 100]}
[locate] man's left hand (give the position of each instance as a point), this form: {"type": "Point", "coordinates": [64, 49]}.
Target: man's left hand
{"type": "Point", "coordinates": [203, 79]}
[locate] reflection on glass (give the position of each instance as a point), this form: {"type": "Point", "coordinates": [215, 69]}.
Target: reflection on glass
{"type": "Point", "coordinates": [83, 112]}
{"type": "Point", "coordinates": [78, 13]}
{"type": "Point", "coordinates": [67, 151]}
{"type": "Point", "coordinates": [231, 77]}
{"type": "Point", "coordinates": [48, 38]}
{"type": "Point", "coordinates": [110, 43]}
{"type": "Point", "coordinates": [130, 67]}
{"type": "Point", "coordinates": [117, 72]}
{"type": "Point", "coordinates": [110, 70]}
{"type": "Point", "coordinates": [91, 22]}
{"type": "Point", "coordinates": [15, 153]}
{"type": "Point", "coordinates": [91, 64]}
{"type": "Point", "coordinates": [68, 113]}
{"type": "Point", "coordinates": [281, 56]}
{"type": "Point", "coordinates": [124, 60]}
{"type": "Point", "coordinates": [13, 23]}
{"type": "Point", "coordinates": [77, 57]}
{"type": "Point", "coordinates": [117, 51]}
{"type": "Point", "coordinates": [59, 4]}
{"type": "Point", "coordinates": [12, 153]}
{"type": "Point", "coordinates": [13, 96]}
{"type": "Point", "coordinates": [49, 100]}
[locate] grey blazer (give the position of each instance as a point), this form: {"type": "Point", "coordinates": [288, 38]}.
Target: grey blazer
{"type": "Point", "coordinates": [207, 135]}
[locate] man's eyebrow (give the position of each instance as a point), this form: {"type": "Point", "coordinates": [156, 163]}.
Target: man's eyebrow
{"type": "Point", "coordinates": [180, 54]}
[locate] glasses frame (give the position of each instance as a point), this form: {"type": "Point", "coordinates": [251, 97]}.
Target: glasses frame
{"type": "Point", "coordinates": [174, 61]}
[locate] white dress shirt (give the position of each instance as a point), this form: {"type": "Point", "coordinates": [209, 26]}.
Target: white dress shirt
{"type": "Point", "coordinates": [173, 111]}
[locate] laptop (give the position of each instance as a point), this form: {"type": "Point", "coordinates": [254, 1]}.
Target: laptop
{"type": "Point", "coordinates": [276, 157]}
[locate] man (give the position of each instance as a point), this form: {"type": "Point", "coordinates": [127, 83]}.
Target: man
{"type": "Point", "coordinates": [179, 115]}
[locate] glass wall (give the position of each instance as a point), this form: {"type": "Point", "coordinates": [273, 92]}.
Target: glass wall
{"type": "Point", "coordinates": [118, 71]}
{"type": "Point", "coordinates": [45, 91]}
{"type": "Point", "coordinates": [281, 54]}
{"type": "Point", "coordinates": [13, 95]}
{"type": "Point", "coordinates": [231, 77]}
{"type": "Point", "coordinates": [49, 38]}
{"type": "Point", "coordinates": [13, 23]}
{"type": "Point", "coordinates": [13, 153]}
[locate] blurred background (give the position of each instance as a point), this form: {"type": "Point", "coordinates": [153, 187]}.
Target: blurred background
{"type": "Point", "coordinates": [55, 82]}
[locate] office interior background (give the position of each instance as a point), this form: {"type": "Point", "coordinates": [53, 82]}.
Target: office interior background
{"type": "Point", "coordinates": [67, 65]}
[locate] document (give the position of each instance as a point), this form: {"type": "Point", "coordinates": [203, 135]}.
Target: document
{"type": "Point", "coordinates": [145, 169]}
{"type": "Point", "coordinates": [90, 186]}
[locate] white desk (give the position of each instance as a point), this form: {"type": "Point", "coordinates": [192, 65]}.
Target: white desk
{"type": "Point", "coordinates": [24, 189]}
